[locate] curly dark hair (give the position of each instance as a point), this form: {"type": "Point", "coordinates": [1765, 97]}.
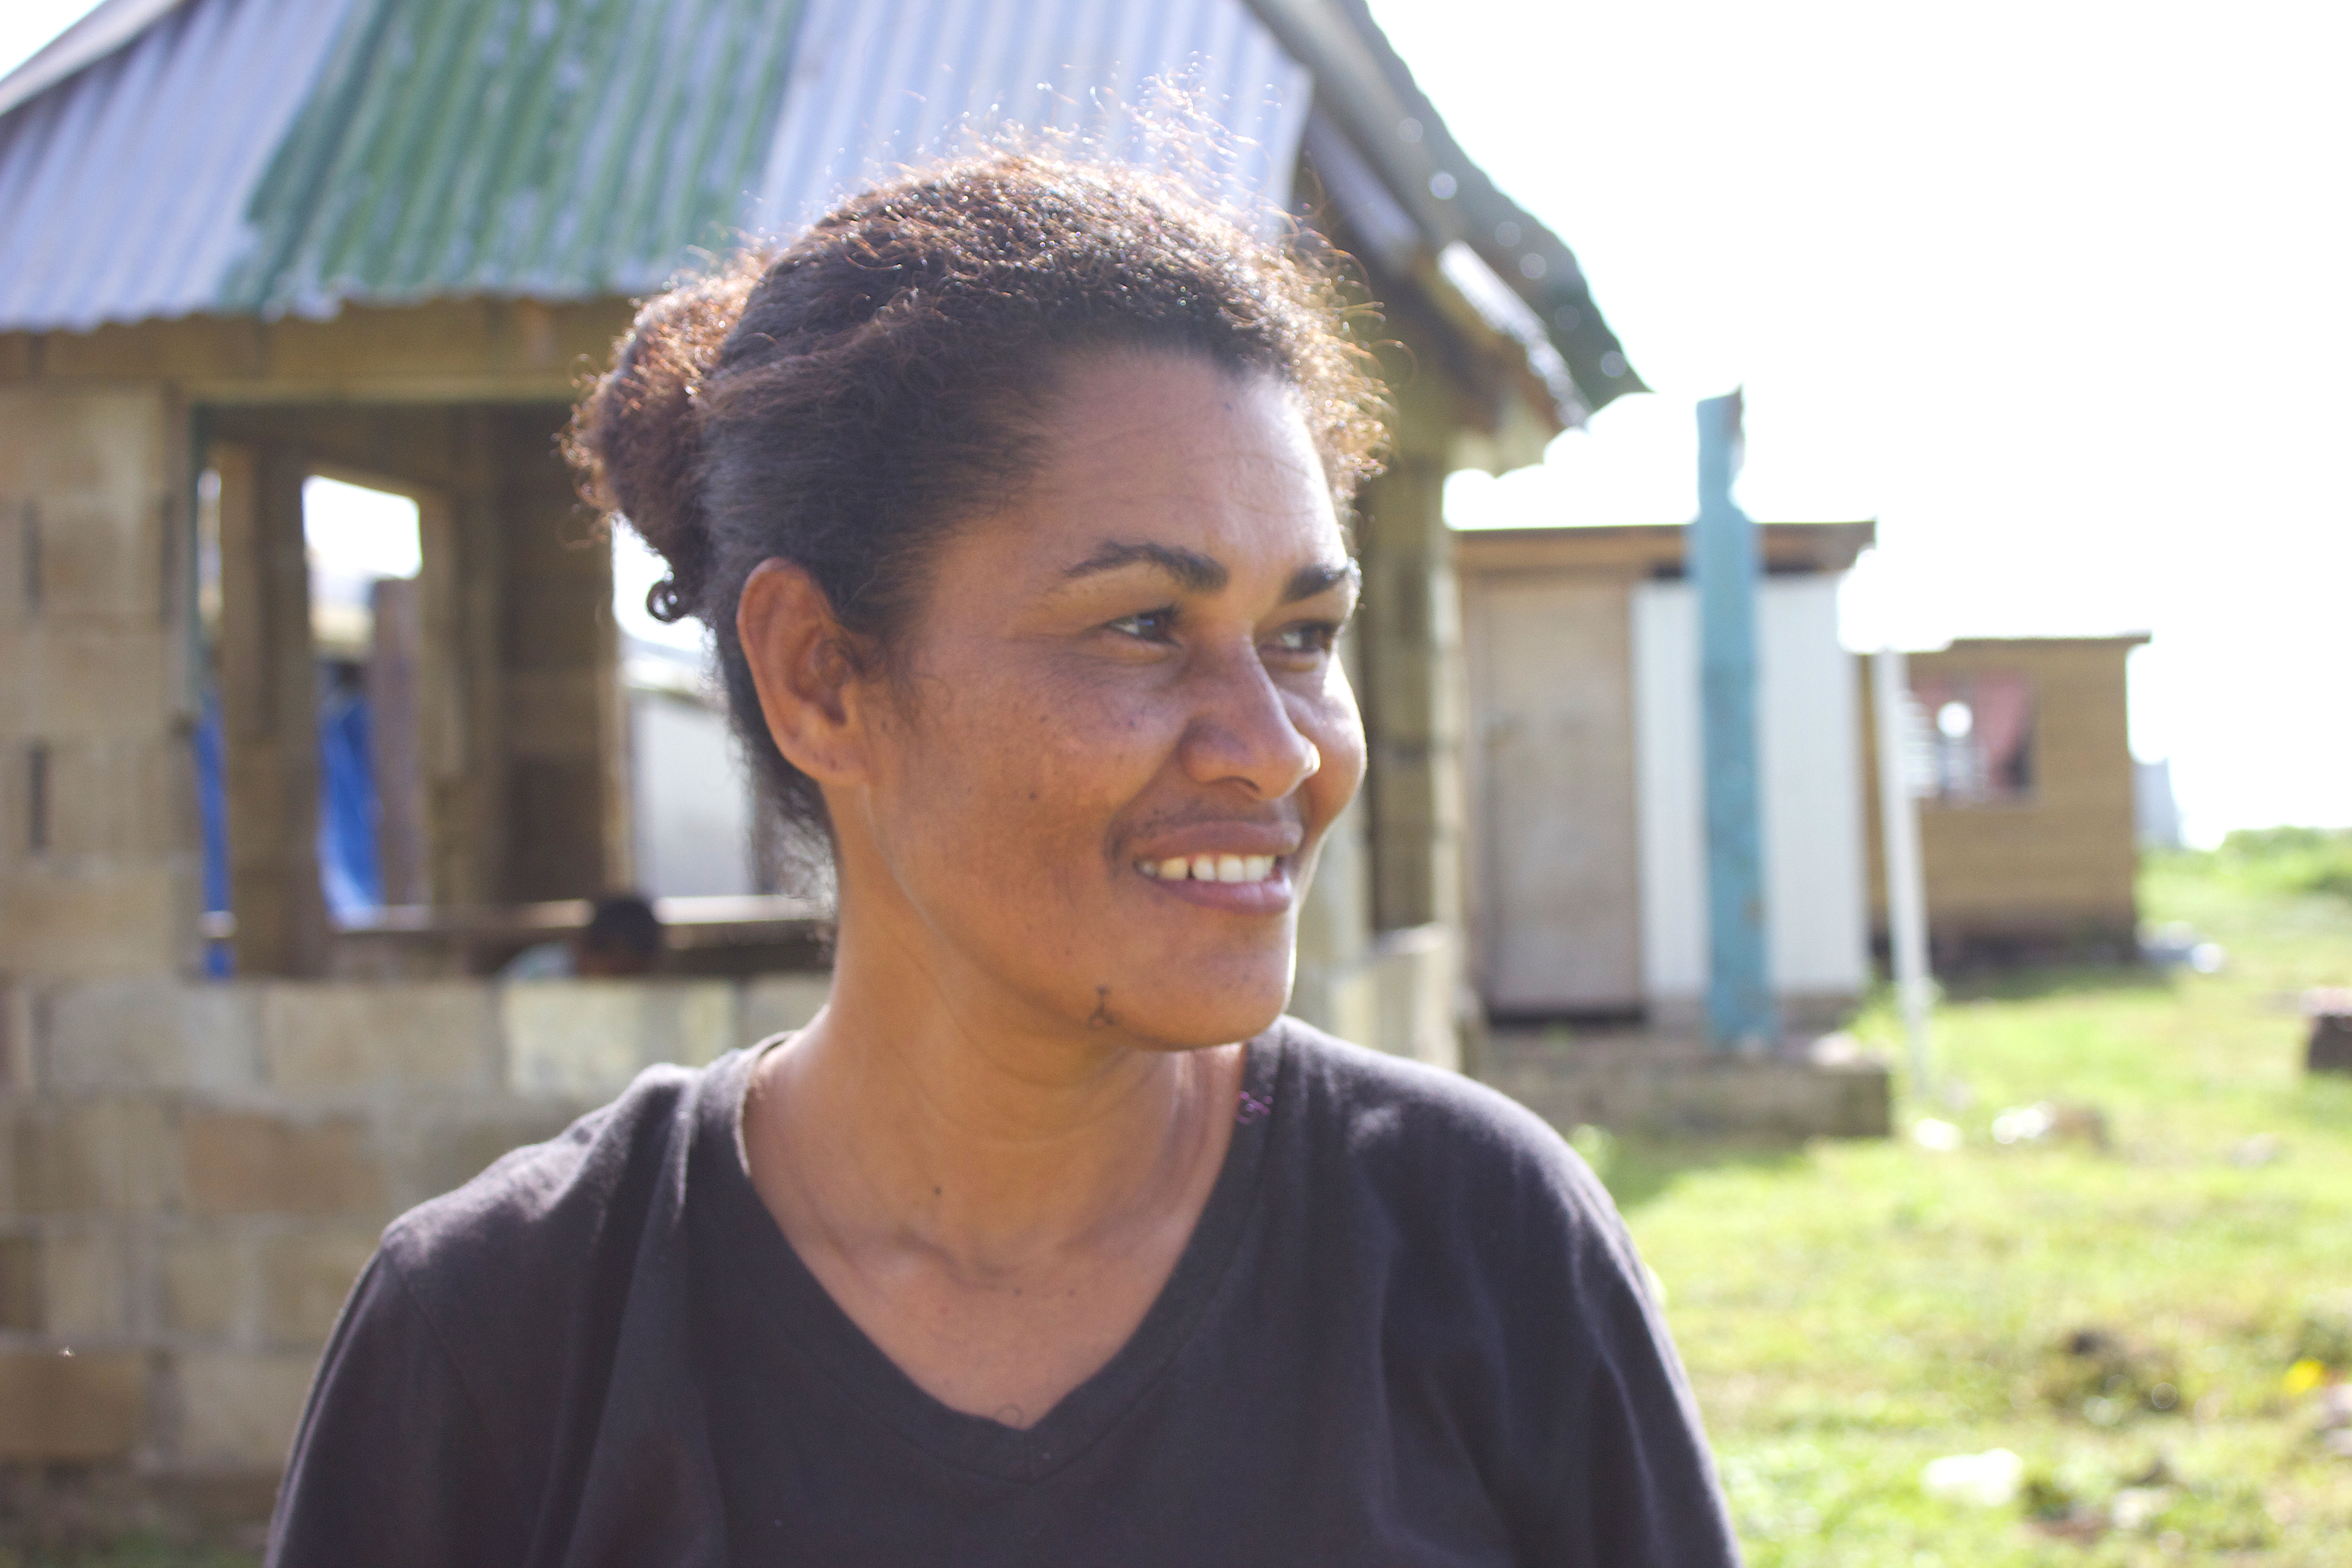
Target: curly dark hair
{"type": "Point", "coordinates": [844, 403]}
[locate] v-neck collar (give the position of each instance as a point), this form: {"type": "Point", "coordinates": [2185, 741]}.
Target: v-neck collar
{"type": "Point", "coordinates": [798, 1306]}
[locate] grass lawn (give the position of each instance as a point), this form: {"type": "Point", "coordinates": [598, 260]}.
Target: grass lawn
{"type": "Point", "coordinates": [1851, 1311]}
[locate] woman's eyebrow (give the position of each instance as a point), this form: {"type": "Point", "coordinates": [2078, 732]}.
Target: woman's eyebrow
{"type": "Point", "coordinates": [1321, 578]}
{"type": "Point", "coordinates": [1198, 572]}
{"type": "Point", "coordinates": [1204, 574]}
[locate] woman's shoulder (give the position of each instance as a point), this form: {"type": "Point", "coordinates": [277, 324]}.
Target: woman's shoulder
{"type": "Point", "coordinates": [1437, 1138]}
{"type": "Point", "coordinates": [1385, 1103]}
{"type": "Point", "coordinates": [559, 1206]}
{"type": "Point", "coordinates": [1469, 1206]}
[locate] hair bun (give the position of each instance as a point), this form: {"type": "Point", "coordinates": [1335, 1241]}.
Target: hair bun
{"type": "Point", "coordinates": [636, 440]}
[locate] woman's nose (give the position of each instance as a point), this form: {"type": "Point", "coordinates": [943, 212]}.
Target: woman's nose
{"type": "Point", "coordinates": [1241, 730]}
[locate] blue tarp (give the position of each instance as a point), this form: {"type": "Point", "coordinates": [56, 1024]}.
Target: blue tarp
{"type": "Point", "coordinates": [348, 869]}
{"type": "Point", "coordinates": [349, 873]}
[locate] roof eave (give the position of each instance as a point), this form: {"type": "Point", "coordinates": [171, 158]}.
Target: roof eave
{"type": "Point", "coordinates": [1369, 92]}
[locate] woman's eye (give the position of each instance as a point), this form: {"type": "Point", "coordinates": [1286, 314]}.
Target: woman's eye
{"type": "Point", "coordinates": [1308, 637]}
{"type": "Point", "coordinates": [1150, 626]}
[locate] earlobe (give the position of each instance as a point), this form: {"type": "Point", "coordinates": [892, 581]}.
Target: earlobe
{"type": "Point", "coordinates": [801, 666]}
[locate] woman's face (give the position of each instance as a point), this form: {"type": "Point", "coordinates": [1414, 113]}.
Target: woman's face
{"type": "Point", "coordinates": [1121, 729]}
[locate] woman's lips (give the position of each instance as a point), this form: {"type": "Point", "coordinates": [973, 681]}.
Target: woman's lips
{"type": "Point", "coordinates": [1245, 884]}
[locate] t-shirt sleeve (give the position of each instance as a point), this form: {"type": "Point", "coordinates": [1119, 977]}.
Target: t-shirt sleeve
{"type": "Point", "coordinates": [391, 1464]}
{"type": "Point", "coordinates": [1637, 1486]}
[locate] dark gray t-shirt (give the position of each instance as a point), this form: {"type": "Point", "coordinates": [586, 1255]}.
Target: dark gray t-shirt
{"type": "Point", "coordinates": [1409, 1328]}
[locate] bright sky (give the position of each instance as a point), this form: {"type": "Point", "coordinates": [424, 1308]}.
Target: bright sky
{"type": "Point", "coordinates": [2055, 291]}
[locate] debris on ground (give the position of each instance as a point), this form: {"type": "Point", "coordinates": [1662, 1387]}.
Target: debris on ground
{"type": "Point", "coordinates": [1989, 1479]}
{"type": "Point", "coordinates": [2108, 1378]}
{"type": "Point", "coordinates": [1929, 1132]}
{"type": "Point", "coordinates": [2330, 1048]}
{"type": "Point", "coordinates": [2176, 944]}
{"type": "Point", "coordinates": [2136, 1508]}
{"type": "Point", "coordinates": [2048, 1121]}
{"type": "Point", "coordinates": [2250, 1153]}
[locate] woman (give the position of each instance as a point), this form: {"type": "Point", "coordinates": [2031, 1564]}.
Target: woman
{"type": "Point", "coordinates": [1013, 495]}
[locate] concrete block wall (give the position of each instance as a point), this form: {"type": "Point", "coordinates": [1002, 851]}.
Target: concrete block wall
{"type": "Point", "coordinates": [192, 1175]}
{"type": "Point", "coordinates": [98, 863]}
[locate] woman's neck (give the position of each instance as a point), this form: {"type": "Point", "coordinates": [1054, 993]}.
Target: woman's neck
{"type": "Point", "coordinates": [917, 1115]}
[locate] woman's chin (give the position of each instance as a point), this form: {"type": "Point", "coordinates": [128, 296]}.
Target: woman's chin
{"type": "Point", "coordinates": [1162, 1019]}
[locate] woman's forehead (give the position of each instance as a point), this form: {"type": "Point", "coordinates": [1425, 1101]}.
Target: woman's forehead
{"type": "Point", "coordinates": [1162, 449]}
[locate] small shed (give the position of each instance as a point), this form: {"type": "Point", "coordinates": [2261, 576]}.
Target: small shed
{"type": "Point", "coordinates": [1587, 862]}
{"type": "Point", "coordinates": [2027, 811]}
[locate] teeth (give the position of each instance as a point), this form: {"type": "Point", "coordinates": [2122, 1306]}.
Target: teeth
{"type": "Point", "coordinates": [1209, 867]}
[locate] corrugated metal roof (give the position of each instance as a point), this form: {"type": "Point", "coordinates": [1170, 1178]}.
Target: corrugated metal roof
{"type": "Point", "coordinates": [532, 147]}
{"type": "Point", "coordinates": [172, 156]}
{"type": "Point", "coordinates": [103, 29]}
{"type": "Point", "coordinates": [123, 187]}
{"type": "Point", "coordinates": [880, 85]}
{"type": "Point", "coordinates": [276, 155]}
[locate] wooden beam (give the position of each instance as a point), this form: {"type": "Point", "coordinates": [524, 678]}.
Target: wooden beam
{"type": "Point", "coordinates": [269, 714]}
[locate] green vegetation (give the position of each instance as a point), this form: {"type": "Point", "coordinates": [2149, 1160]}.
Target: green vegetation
{"type": "Point", "coordinates": [2277, 859]}
{"type": "Point", "coordinates": [2143, 1304]}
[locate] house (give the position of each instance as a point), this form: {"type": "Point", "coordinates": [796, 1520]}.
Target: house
{"type": "Point", "coordinates": [1587, 863]}
{"type": "Point", "coordinates": [2028, 802]}
{"type": "Point", "coordinates": [244, 243]}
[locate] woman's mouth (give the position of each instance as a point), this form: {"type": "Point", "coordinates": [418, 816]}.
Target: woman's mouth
{"type": "Point", "coordinates": [1209, 867]}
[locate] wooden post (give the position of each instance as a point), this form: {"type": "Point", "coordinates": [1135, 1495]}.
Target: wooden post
{"type": "Point", "coordinates": [1740, 1010]}
{"type": "Point", "coordinates": [394, 756]}
{"type": "Point", "coordinates": [460, 699]}
{"type": "Point", "coordinates": [269, 715]}
{"type": "Point", "coordinates": [1907, 894]}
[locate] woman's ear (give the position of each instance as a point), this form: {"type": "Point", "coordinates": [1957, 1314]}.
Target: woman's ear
{"type": "Point", "coordinates": [804, 670]}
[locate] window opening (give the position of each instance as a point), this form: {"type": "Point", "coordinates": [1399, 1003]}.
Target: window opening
{"type": "Point", "coordinates": [364, 547]}
{"type": "Point", "coordinates": [701, 826]}
{"type": "Point", "coordinates": [1981, 737]}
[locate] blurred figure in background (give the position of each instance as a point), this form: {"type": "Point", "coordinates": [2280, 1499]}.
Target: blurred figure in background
{"type": "Point", "coordinates": [622, 938]}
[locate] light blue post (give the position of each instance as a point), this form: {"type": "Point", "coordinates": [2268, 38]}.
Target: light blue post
{"type": "Point", "coordinates": [1739, 1010]}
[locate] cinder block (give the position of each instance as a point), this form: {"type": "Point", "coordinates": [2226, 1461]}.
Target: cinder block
{"type": "Point", "coordinates": [694, 1022]}
{"type": "Point", "coordinates": [776, 1004]}
{"type": "Point", "coordinates": [85, 1284]}
{"type": "Point", "coordinates": [573, 1039]}
{"type": "Point", "coordinates": [98, 1156]}
{"type": "Point", "coordinates": [205, 1277]}
{"type": "Point", "coordinates": [128, 918]}
{"type": "Point", "coordinates": [326, 1038]}
{"type": "Point", "coordinates": [81, 681]}
{"type": "Point", "coordinates": [585, 1039]}
{"type": "Point", "coordinates": [149, 1034]}
{"type": "Point", "coordinates": [456, 1153]}
{"type": "Point", "coordinates": [239, 1409]}
{"type": "Point", "coordinates": [241, 1162]}
{"type": "Point", "coordinates": [305, 1277]}
{"type": "Point", "coordinates": [82, 1406]}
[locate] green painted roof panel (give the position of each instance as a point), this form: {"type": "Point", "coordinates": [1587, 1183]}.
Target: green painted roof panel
{"type": "Point", "coordinates": [561, 149]}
